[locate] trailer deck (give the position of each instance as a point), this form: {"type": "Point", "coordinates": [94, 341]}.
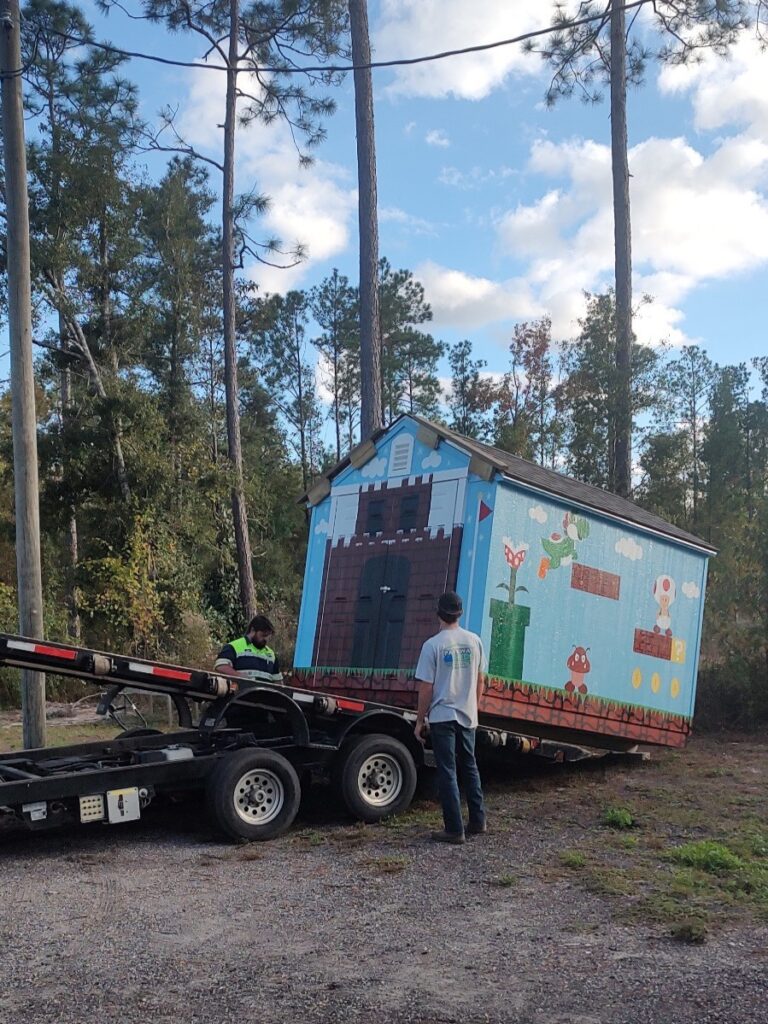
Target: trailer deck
{"type": "Point", "coordinates": [249, 746]}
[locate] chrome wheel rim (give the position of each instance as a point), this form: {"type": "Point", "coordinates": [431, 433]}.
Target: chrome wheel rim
{"type": "Point", "coordinates": [259, 796]}
{"type": "Point", "coordinates": [380, 780]}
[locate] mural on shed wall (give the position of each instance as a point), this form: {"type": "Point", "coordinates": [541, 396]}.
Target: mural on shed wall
{"type": "Point", "coordinates": [602, 633]}
{"type": "Point", "coordinates": [588, 624]}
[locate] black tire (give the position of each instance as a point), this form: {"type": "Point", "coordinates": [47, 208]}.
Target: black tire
{"type": "Point", "coordinates": [375, 776]}
{"type": "Point", "coordinates": [240, 812]}
{"type": "Point", "coordinates": [129, 733]}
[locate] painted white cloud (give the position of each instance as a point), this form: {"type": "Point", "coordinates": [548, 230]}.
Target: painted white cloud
{"type": "Point", "coordinates": [437, 137]}
{"type": "Point", "coordinates": [629, 548]}
{"type": "Point", "coordinates": [313, 206]}
{"type": "Point", "coordinates": [374, 468]}
{"type": "Point", "coordinates": [690, 589]}
{"type": "Point", "coordinates": [324, 526]}
{"type": "Point", "coordinates": [432, 461]}
{"type": "Point", "coordinates": [537, 513]}
{"type": "Point", "coordinates": [405, 29]}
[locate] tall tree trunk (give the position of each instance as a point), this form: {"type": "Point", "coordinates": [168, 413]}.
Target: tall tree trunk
{"type": "Point", "coordinates": [109, 347]}
{"type": "Point", "coordinates": [370, 330]}
{"type": "Point", "coordinates": [74, 629]}
{"type": "Point", "coordinates": [239, 509]}
{"type": "Point", "coordinates": [623, 252]}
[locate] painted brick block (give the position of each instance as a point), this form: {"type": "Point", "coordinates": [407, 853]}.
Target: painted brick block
{"type": "Point", "coordinates": [655, 645]}
{"type": "Point", "coordinates": [595, 581]}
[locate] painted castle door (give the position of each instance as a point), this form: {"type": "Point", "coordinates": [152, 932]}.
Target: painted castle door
{"type": "Point", "coordinates": [380, 612]}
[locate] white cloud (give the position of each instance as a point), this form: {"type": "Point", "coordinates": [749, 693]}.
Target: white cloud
{"type": "Point", "coordinates": [690, 589]}
{"type": "Point", "coordinates": [374, 468]}
{"type": "Point", "coordinates": [537, 513]}
{"type": "Point", "coordinates": [695, 217]}
{"type": "Point", "coordinates": [724, 91]}
{"type": "Point", "coordinates": [437, 137]}
{"type": "Point", "coordinates": [461, 300]}
{"type": "Point", "coordinates": [416, 225]}
{"type": "Point", "coordinates": [474, 178]}
{"type": "Point", "coordinates": [432, 461]}
{"type": "Point", "coordinates": [313, 206]}
{"type": "Point", "coordinates": [629, 548]}
{"type": "Point", "coordinates": [324, 526]}
{"type": "Point", "coordinates": [405, 29]}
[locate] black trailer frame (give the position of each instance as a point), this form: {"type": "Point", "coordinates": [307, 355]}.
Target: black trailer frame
{"type": "Point", "coordinates": [254, 746]}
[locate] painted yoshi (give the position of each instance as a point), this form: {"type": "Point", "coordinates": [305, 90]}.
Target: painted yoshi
{"type": "Point", "coordinates": [561, 548]}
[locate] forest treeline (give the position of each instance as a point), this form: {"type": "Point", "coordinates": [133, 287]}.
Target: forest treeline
{"type": "Point", "coordinates": [137, 526]}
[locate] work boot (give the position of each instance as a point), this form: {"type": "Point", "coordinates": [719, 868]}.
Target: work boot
{"type": "Point", "coordinates": [456, 838]}
{"type": "Point", "coordinates": [473, 829]}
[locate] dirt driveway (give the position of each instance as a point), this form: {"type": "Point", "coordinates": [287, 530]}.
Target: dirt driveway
{"type": "Point", "coordinates": [553, 917]}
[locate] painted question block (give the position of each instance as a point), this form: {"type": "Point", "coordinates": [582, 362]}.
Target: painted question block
{"type": "Point", "coordinates": [589, 607]}
{"type": "Point", "coordinates": [678, 650]}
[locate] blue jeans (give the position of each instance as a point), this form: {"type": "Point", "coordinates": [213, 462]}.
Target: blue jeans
{"type": "Point", "coordinates": [455, 744]}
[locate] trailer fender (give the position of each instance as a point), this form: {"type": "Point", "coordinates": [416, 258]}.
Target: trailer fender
{"type": "Point", "coordinates": [260, 699]}
{"type": "Point", "coordinates": [389, 723]}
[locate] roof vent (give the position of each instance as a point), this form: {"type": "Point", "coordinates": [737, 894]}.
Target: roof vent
{"type": "Point", "coordinates": [401, 455]}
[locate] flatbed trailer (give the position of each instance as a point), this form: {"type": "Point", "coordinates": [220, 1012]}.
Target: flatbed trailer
{"type": "Point", "coordinates": [249, 748]}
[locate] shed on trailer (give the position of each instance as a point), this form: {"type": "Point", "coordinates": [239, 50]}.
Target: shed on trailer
{"type": "Point", "coordinates": [589, 607]}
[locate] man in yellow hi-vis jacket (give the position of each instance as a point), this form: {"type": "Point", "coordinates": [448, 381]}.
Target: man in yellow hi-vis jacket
{"type": "Point", "coordinates": [249, 655]}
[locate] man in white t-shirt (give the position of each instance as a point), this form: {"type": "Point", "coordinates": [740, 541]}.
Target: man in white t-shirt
{"type": "Point", "coordinates": [449, 678]}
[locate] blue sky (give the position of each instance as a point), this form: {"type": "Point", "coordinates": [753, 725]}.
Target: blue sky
{"type": "Point", "coordinates": [501, 207]}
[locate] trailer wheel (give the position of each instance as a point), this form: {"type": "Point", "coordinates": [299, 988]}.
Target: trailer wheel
{"type": "Point", "coordinates": [254, 794]}
{"type": "Point", "coordinates": [376, 776]}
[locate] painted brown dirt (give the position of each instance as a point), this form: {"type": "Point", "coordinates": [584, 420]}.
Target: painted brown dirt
{"type": "Point", "coordinates": [517, 701]}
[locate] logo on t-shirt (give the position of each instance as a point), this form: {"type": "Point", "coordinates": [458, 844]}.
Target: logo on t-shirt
{"type": "Point", "coordinates": [458, 657]}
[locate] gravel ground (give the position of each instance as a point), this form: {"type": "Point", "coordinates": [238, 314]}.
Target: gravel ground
{"type": "Point", "coordinates": [157, 922]}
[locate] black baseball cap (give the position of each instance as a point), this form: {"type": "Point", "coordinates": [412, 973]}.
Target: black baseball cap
{"type": "Point", "coordinates": [450, 603]}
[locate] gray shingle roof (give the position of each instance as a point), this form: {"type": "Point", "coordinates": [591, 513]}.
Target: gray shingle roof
{"type": "Point", "coordinates": [557, 484]}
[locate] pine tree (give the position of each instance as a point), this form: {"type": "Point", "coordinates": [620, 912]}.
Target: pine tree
{"type": "Point", "coordinates": [471, 395]}
{"type": "Point", "coordinates": [281, 348]}
{"type": "Point", "coordinates": [409, 356]}
{"type": "Point", "coordinates": [334, 306]}
{"type": "Point", "coordinates": [588, 57]}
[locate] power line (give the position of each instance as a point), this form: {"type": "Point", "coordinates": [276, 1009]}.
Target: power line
{"type": "Point", "coordinates": [342, 68]}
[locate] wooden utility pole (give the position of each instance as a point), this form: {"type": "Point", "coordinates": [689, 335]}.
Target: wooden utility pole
{"type": "Point", "coordinates": [24, 420]}
{"type": "Point", "coordinates": [370, 329]}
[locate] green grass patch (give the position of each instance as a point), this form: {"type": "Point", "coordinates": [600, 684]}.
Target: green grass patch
{"type": "Point", "coordinates": [60, 735]}
{"type": "Point", "coordinates": [691, 930]}
{"type": "Point", "coordinates": [707, 855]}
{"type": "Point", "coordinates": [573, 859]}
{"type": "Point", "coordinates": [618, 818]}
{"type": "Point", "coordinates": [504, 881]}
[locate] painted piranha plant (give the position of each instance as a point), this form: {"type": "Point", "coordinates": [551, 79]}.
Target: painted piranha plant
{"type": "Point", "coordinates": [515, 556]}
{"type": "Point", "coordinates": [510, 620]}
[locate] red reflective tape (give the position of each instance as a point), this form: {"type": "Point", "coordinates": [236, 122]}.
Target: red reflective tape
{"type": "Point", "coordinates": [350, 705]}
{"type": "Point", "coordinates": [55, 652]}
{"type": "Point", "coordinates": [157, 670]}
{"type": "Point", "coordinates": [172, 673]}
